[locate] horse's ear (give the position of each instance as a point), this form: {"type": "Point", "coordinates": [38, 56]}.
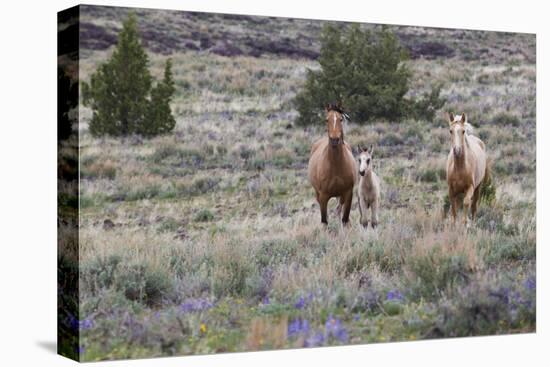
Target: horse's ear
{"type": "Point", "coordinates": [371, 148]}
{"type": "Point", "coordinates": [451, 117]}
{"type": "Point", "coordinates": [463, 118]}
{"type": "Point", "coordinates": [359, 149]}
{"type": "Point", "coordinates": [327, 107]}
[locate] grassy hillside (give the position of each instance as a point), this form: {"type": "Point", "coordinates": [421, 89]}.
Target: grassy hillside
{"type": "Point", "coordinates": [166, 32]}
{"type": "Point", "coordinates": [209, 239]}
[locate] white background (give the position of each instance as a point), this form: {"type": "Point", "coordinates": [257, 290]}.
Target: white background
{"type": "Point", "coordinates": [28, 181]}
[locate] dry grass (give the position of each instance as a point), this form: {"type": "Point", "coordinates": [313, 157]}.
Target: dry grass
{"type": "Point", "coordinates": [221, 211]}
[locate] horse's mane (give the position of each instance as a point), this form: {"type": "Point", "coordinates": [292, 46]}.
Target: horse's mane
{"type": "Point", "coordinates": [335, 107]}
{"type": "Point", "coordinates": [467, 126]}
{"type": "Point", "coordinates": [338, 108]}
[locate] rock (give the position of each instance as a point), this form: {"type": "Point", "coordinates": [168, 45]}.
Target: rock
{"type": "Point", "coordinates": [108, 224]}
{"type": "Point", "coordinates": [181, 234]}
{"type": "Point", "coordinates": [142, 222]}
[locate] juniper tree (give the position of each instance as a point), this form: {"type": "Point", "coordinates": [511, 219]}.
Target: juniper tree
{"type": "Point", "coordinates": [120, 92]}
{"type": "Point", "coordinates": [159, 119]}
{"type": "Point", "coordinates": [365, 71]}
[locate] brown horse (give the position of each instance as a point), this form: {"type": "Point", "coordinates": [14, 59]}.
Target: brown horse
{"type": "Point", "coordinates": [466, 166]}
{"type": "Point", "coordinates": [331, 170]}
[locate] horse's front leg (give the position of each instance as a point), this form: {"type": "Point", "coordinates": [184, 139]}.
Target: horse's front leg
{"type": "Point", "coordinates": [468, 202]}
{"type": "Point", "coordinates": [347, 198]}
{"type": "Point", "coordinates": [374, 210]}
{"type": "Point", "coordinates": [363, 212]}
{"type": "Point", "coordinates": [323, 203]}
{"type": "Point", "coordinates": [453, 199]}
{"type": "Point", "coordinates": [475, 201]}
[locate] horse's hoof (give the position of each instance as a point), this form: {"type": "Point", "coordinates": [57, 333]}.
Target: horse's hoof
{"type": "Point", "coordinates": [374, 225]}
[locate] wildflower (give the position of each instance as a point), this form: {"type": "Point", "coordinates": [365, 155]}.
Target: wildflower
{"type": "Point", "coordinates": [203, 328]}
{"type": "Point", "coordinates": [334, 328]}
{"type": "Point", "coordinates": [85, 324]}
{"type": "Point", "coordinates": [195, 305]}
{"type": "Point", "coordinates": [530, 283]}
{"type": "Point", "coordinates": [394, 295]}
{"type": "Point", "coordinates": [300, 304]}
{"type": "Point", "coordinates": [303, 302]}
{"type": "Point", "coordinates": [315, 340]}
{"type": "Point", "coordinates": [266, 301]}
{"type": "Point", "coordinates": [356, 317]}
{"type": "Point", "coordinates": [298, 326]}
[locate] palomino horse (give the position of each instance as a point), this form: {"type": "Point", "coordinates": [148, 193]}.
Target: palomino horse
{"type": "Point", "coordinates": [331, 170]}
{"type": "Point", "coordinates": [466, 166]}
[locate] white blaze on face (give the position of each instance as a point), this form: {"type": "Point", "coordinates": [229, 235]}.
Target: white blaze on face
{"type": "Point", "coordinates": [334, 120]}
{"type": "Point", "coordinates": [364, 162]}
{"type": "Point", "coordinates": [456, 136]}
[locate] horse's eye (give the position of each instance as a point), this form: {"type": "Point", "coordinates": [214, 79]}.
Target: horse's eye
{"type": "Point", "coordinates": [463, 131]}
{"type": "Point", "coordinates": [368, 161]}
{"type": "Point", "coordinates": [450, 131]}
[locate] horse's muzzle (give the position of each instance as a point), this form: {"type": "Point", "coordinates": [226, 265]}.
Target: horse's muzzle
{"type": "Point", "coordinates": [362, 173]}
{"type": "Point", "coordinates": [334, 141]}
{"type": "Point", "coordinates": [457, 151]}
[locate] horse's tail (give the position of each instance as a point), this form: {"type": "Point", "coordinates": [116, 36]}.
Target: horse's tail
{"type": "Point", "coordinates": [487, 187]}
{"type": "Point", "coordinates": [488, 177]}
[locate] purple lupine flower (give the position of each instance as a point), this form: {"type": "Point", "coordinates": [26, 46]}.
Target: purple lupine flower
{"type": "Point", "coordinates": [303, 302]}
{"type": "Point", "coordinates": [298, 326]}
{"type": "Point", "coordinates": [266, 301]}
{"type": "Point", "coordinates": [394, 295]}
{"type": "Point", "coordinates": [315, 340]}
{"type": "Point", "coordinates": [334, 328]}
{"type": "Point", "coordinates": [530, 283]}
{"type": "Point", "coordinates": [81, 349]}
{"type": "Point", "coordinates": [506, 295]}
{"type": "Point", "coordinates": [515, 300]}
{"type": "Point", "coordinates": [194, 305]}
{"type": "Point", "coordinates": [356, 317]}
{"type": "Point", "coordinates": [300, 304]}
{"type": "Point", "coordinates": [73, 322]}
{"type": "Point", "coordinates": [85, 324]}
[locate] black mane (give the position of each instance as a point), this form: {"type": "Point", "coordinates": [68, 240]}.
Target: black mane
{"type": "Point", "coordinates": [338, 108]}
{"type": "Point", "coordinates": [335, 107]}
